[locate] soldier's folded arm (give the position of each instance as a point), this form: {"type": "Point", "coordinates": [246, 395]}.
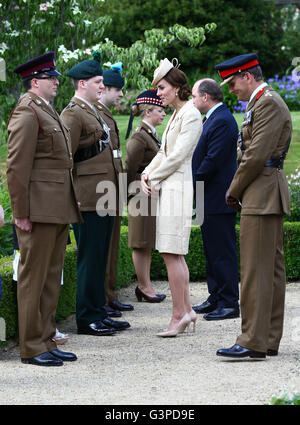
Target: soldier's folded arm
{"type": "Point", "coordinates": [23, 129]}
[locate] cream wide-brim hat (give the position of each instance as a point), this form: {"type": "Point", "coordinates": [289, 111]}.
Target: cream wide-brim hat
{"type": "Point", "coordinates": [164, 67]}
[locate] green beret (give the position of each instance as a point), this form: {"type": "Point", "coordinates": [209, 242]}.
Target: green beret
{"type": "Point", "coordinates": [113, 77]}
{"type": "Point", "coordinates": [87, 69]}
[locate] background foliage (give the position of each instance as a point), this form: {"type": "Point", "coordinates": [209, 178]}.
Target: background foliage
{"type": "Point", "coordinates": [73, 28]}
{"type": "Point", "coordinates": [242, 26]}
{"type": "Point", "coordinates": [126, 273]}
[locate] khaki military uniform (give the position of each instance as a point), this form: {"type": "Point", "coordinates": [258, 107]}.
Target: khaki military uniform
{"type": "Point", "coordinates": [263, 192]}
{"type": "Point", "coordinates": [92, 236]}
{"type": "Point", "coordinates": [112, 262]}
{"type": "Point", "coordinates": [142, 147]}
{"type": "Point", "coordinates": [40, 183]}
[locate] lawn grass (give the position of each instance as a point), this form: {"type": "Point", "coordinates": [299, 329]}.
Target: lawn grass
{"type": "Point", "coordinates": [291, 163]}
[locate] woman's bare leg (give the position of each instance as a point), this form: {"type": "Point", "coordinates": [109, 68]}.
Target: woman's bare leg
{"type": "Point", "coordinates": [178, 276]}
{"type": "Point", "coordinates": [141, 258]}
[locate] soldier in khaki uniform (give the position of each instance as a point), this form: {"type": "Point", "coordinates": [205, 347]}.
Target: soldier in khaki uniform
{"type": "Point", "coordinates": [113, 83]}
{"type": "Point", "coordinates": [39, 176]}
{"type": "Point", "coordinates": [141, 148]}
{"type": "Point", "coordinates": [94, 171]}
{"type": "Point", "coordinates": [259, 188]}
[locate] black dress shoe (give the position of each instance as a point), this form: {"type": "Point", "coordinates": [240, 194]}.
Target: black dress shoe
{"type": "Point", "coordinates": [238, 352]}
{"type": "Point", "coordinates": [111, 312]}
{"type": "Point", "coordinates": [44, 359]}
{"type": "Point", "coordinates": [117, 305]}
{"type": "Point", "coordinates": [205, 307]}
{"type": "Point", "coordinates": [66, 357]}
{"type": "Point", "coordinates": [96, 328]}
{"type": "Point", "coordinates": [272, 352]}
{"type": "Point", "coordinates": [222, 313]}
{"type": "Point", "coordinates": [115, 324]}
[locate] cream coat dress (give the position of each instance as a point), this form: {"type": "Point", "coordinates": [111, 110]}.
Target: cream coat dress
{"type": "Point", "coordinates": [170, 172]}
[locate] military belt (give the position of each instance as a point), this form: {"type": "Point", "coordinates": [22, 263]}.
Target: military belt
{"type": "Point", "coordinates": [84, 154]}
{"type": "Point", "coordinates": [275, 163]}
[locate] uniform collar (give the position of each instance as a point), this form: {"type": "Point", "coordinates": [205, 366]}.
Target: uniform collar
{"type": "Point", "coordinates": [153, 129]}
{"type": "Point", "coordinates": [86, 101]}
{"type": "Point", "coordinates": [254, 93]}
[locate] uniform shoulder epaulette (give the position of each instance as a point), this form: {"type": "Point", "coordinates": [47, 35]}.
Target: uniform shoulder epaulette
{"type": "Point", "coordinates": [138, 129]}
{"type": "Point", "coordinates": [268, 93]}
{"type": "Point", "coordinates": [25, 100]}
{"type": "Point", "coordinates": [37, 101]}
{"type": "Point", "coordinates": [71, 105]}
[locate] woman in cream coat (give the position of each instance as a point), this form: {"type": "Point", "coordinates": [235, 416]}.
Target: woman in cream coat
{"type": "Point", "coordinates": [170, 173]}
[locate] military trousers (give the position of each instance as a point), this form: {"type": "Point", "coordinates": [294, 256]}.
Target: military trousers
{"type": "Point", "coordinates": [263, 281]}
{"type": "Point", "coordinates": [42, 253]}
{"type": "Point", "coordinates": [93, 240]}
{"type": "Point", "coordinates": [112, 262]}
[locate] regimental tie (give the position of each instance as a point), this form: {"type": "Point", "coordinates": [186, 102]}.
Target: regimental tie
{"type": "Point", "coordinates": [204, 119]}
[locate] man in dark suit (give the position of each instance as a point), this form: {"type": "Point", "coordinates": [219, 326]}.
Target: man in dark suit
{"type": "Point", "coordinates": [214, 162]}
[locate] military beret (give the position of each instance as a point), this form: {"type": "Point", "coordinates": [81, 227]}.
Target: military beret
{"type": "Point", "coordinates": [86, 69]}
{"type": "Point", "coordinates": [164, 67]}
{"type": "Point", "coordinates": [43, 64]}
{"type": "Point", "coordinates": [231, 67]}
{"type": "Point", "coordinates": [148, 97]}
{"type": "Point", "coordinates": [113, 77]}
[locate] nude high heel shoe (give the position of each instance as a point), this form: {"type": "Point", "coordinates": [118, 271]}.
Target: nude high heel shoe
{"type": "Point", "coordinates": [193, 317]}
{"type": "Point", "coordinates": [184, 322]}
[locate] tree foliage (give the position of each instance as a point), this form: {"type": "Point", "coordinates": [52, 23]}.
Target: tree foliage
{"type": "Point", "coordinates": [243, 26]}
{"type": "Point", "coordinates": [73, 28]}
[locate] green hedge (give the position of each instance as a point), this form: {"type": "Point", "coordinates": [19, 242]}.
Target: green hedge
{"type": "Point", "coordinates": [126, 273]}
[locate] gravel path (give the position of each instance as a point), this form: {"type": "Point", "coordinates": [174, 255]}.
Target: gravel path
{"type": "Point", "coordinates": [135, 367]}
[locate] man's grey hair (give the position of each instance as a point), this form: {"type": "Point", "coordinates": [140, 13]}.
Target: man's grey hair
{"type": "Point", "coordinates": [212, 88]}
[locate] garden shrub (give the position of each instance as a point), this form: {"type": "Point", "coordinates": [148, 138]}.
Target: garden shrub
{"type": "Point", "coordinates": [126, 272]}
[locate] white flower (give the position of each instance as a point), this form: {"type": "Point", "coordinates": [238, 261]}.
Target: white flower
{"type": "Point", "coordinates": [7, 25]}
{"type": "Point", "coordinates": [14, 33]}
{"type": "Point", "coordinates": [3, 47]}
{"type": "Point", "coordinates": [76, 10]}
{"type": "Point", "coordinates": [87, 22]}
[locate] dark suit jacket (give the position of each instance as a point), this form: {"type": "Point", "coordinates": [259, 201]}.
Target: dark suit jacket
{"type": "Point", "coordinates": [214, 159]}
